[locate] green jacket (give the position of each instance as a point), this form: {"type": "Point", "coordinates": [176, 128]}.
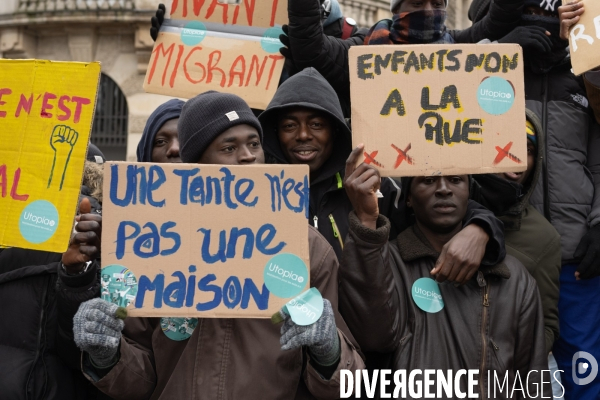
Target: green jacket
{"type": "Point", "coordinates": [528, 235]}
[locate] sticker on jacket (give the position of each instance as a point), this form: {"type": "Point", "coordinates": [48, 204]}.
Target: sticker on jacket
{"type": "Point", "coordinates": [305, 309]}
{"type": "Point", "coordinates": [426, 295]}
{"type": "Point", "coordinates": [178, 328]}
{"type": "Point", "coordinates": [119, 285]}
{"type": "Point", "coordinates": [285, 275]}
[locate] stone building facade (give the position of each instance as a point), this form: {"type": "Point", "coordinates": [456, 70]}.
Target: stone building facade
{"type": "Point", "coordinates": [116, 33]}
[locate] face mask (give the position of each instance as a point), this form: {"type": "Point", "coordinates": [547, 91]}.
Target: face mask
{"type": "Point", "coordinates": [418, 27]}
{"type": "Point", "coordinates": [496, 194]}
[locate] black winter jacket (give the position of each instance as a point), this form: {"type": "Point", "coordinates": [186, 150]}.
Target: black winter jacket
{"type": "Point", "coordinates": [329, 203]}
{"type": "Point", "coordinates": [311, 47]}
{"type": "Point", "coordinates": [568, 191]}
{"type": "Point", "coordinates": [38, 358]}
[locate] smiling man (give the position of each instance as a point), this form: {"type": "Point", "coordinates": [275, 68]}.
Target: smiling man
{"type": "Point", "coordinates": [491, 324]}
{"type": "Point", "coordinates": [304, 124]}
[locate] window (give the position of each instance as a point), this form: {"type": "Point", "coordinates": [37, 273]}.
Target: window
{"type": "Point", "coordinates": [109, 131]}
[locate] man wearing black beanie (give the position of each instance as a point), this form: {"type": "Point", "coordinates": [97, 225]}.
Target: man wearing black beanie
{"type": "Point", "coordinates": [219, 128]}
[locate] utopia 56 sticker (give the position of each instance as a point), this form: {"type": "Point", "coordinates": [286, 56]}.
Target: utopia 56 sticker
{"type": "Point", "coordinates": [305, 309]}
{"type": "Point", "coordinates": [177, 328]}
{"type": "Point", "coordinates": [285, 275]}
{"type": "Point", "coordinates": [270, 41]}
{"type": "Point", "coordinates": [39, 221]}
{"type": "Point", "coordinates": [193, 33]}
{"type": "Point", "coordinates": [119, 285]}
{"type": "Point", "coordinates": [426, 295]}
{"type": "Point", "coordinates": [496, 95]}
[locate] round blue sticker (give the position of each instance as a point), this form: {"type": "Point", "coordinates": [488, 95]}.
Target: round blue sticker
{"type": "Point", "coordinates": [178, 328]}
{"type": "Point", "coordinates": [426, 295]}
{"type": "Point", "coordinates": [495, 95]}
{"type": "Point", "coordinates": [119, 285]}
{"type": "Point", "coordinates": [270, 41]}
{"type": "Point", "coordinates": [39, 221]}
{"type": "Point", "coordinates": [307, 308]}
{"type": "Point", "coordinates": [285, 275]}
{"type": "Point", "coordinates": [193, 33]}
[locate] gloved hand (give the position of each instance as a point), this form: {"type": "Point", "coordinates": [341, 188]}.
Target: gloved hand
{"type": "Point", "coordinates": [285, 51]}
{"type": "Point", "coordinates": [97, 327]}
{"type": "Point", "coordinates": [588, 251]}
{"type": "Point", "coordinates": [321, 337]}
{"type": "Point", "coordinates": [157, 21]}
{"type": "Point", "coordinates": [531, 39]}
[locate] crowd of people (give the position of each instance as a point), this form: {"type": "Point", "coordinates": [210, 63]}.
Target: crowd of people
{"type": "Point", "coordinates": [516, 255]}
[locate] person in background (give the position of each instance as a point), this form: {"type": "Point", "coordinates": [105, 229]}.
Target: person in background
{"type": "Point", "coordinates": [412, 22]}
{"type": "Point", "coordinates": [293, 362]}
{"type": "Point", "coordinates": [159, 142]}
{"type": "Point", "coordinates": [529, 237]}
{"type": "Point", "coordinates": [568, 192]}
{"type": "Point", "coordinates": [40, 292]}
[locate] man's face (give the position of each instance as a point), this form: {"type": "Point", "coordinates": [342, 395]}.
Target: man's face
{"type": "Point", "coordinates": [306, 136]}
{"type": "Point", "coordinates": [439, 202]}
{"type": "Point", "coordinates": [238, 145]}
{"type": "Point", "coordinates": [532, 10]}
{"type": "Point", "coordinates": [166, 144]}
{"type": "Point", "coordinates": [420, 5]}
{"type": "Point", "coordinates": [521, 177]}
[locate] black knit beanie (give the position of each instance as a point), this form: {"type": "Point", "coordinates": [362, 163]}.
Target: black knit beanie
{"type": "Point", "coordinates": [205, 117]}
{"type": "Point", "coordinates": [546, 5]}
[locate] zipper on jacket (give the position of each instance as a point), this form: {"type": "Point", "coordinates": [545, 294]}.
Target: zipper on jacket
{"type": "Point", "coordinates": [545, 158]}
{"type": "Point", "coordinates": [316, 222]}
{"type": "Point", "coordinates": [486, 305]}
{"type": "Point", "coordinates": [336, 232]}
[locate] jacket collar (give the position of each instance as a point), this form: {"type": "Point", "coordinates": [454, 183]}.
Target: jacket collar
{"type": "Point", "coordinates": [413, 245]}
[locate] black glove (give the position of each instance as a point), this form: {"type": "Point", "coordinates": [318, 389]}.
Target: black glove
{"type": "Point", "coordinates": [531, 39]}
{"type": "Point", "coordinates": [157, 21]}
{"type": "Point", "coordinates": [285, 51]}
{"type": "Point", "coordinates": [589, 253]}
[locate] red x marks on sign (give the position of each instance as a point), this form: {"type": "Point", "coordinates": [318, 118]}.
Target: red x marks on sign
{"type": "Point", "coordinates": [504, 152]}
{"type": "Point", "coordinates": [370, 158]}
{"type": "Point", "coordinates": [402, 155]}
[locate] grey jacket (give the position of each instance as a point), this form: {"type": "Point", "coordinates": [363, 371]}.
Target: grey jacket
{"type": "Point", "coordinates": [568, 191]}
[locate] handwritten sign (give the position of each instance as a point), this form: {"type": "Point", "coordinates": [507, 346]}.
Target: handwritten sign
{"type": "Point", "coordinates": [584, 39]}
{"type": "Point", "coordinates": [226, 47]}
{"type": "Point", "coordinates": [437, 109]}
{"type": "Point", "coordinates": [46, 112]}
{"type": "Point", "coordinates": [189, 240]}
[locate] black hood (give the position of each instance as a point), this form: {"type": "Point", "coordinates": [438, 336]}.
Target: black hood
{"type": "Point", "coordinates": [478, 10]}
{"type": "Point", "coordinates": [308, 89]}
{"type": "Point", "coordinates": [505, 199]}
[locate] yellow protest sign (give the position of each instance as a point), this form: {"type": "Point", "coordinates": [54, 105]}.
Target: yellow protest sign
{"type": "Point", "coordinates": [439, 109]}
{"type": "Point", "coordinates": [232, 48]}
{"type": "Point", "coordinates": [46, 112]}
{"type": "Point", "coordinates": [212, 241]}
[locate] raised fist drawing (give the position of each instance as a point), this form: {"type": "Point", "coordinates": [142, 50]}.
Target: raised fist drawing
{"type": "Point", "coordinates": [62, 141]}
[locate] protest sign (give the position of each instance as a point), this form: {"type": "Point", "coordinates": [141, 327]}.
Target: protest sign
{"type": "Point", "coordinates": [46, 109]}
{"type": "Point", "coordinates": [584, 38]}
{"type": "Point", "coordinates": [189, 240]}
{"type": "Point", "coordinates": [439, 109]}
{"type": "Point", "coordinates": [227, 47]}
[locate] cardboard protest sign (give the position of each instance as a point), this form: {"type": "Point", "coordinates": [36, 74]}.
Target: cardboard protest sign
{"type": "Point", "coordinates": [256, 13]}
{"type": "Point", "coordinates": [439, 109]}
{"type": "Point", "coordinates": [189, 240]}
{"type": "Point", "coordinates": [227, 47]}
{"type": "Point", "coordinates": [584, 38]}
{"type": "Point", "coordinates": [46, 109]}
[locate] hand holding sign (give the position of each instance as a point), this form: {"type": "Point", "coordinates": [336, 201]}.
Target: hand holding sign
{"type": "Point", "coordinates": [361, 185]}
{"type": "Point", "coordinates": [85, 244]}
{"type": "Point", "coordinates": [569, 15]}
